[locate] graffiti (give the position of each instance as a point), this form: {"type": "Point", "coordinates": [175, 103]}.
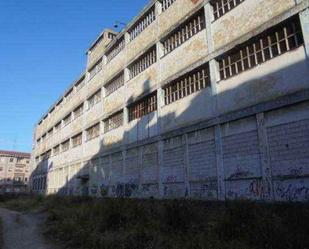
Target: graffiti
{"type": "Point", "coordinates": [259, 188]}
{"type": "Point", "coordinates": [296, 171]}
{"type": "Point", "coordinates": [125, 190]}
{"type": "Point", "coordinates": [292, 192]}
{"type": "Point", "coordinates": [239, 173]}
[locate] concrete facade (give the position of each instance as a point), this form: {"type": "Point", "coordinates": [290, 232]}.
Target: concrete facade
{"type": "Point", "coordinates": [239, 137]}
{"type": "Point", "coordinates": [14, 171]}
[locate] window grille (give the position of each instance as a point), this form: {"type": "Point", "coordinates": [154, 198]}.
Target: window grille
{"type": "Point", "coordinates": [142, 63]}
{"type": "Point", "coordinates": [78, 111]}
{"type": "Point", "coordinates": [114, 84]}
{"type": "Point", "coordinates": [65, 145]}
{"type": "Point", "coordinates": [115, 49]}
{"type": "Point", "coordinates": [188, 84]}
{"type": "Point", "coordinates": [142, 23]}
{"type": "Point", "coordinates": [166, 4]}
{"type": "Point", "coordinates": [184, 32]}
{"type": "Point", "coordinates": [143, 107]}
{"type": "Point", "coordinates": [272, 43]}
{"type": "Point", "coordinates": [113, 122]}
{"type": "Point", "coordinates": [93, 132]}
{"type": "Point", "coordinates": [94, 99]}
{"type": "Point", "coordinates": [221, 7]}
{"type": "Point", "coordinates": [95, 69]}
{"type": "Point", "coordinates": [77, 140]}
{"type": "Point", "coordinates": [67, 120]}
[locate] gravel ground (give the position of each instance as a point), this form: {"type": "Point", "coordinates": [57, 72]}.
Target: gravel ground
{"type": "Point", "coordinates": [22, 231]}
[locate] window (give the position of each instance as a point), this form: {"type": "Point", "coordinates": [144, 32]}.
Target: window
{"type": "Point", "coordinates": [77, 140]}
{"type": "Point", "coordinates": [188, 84]}
{"type": "Point", "coordinates": [56, 150]}
{"type": "Point", "coordinates": [142, 63]}
{"type": "Point", "coordinates": [272, 43]}
{"type": "Point", "coordinates": [11, 160]}
{"type": "Point", "coordinates": [80, 83]}
{"type": "Point", "coordinates": [78, 111]}
{"type": "Point", "coordinates": [43, 137]}
{"type": "Point", "coordinates": [50, 132]}
{"type": "Point", "coordinates": [113, 122]}
{"type": "Point", "coordinates": [221, 7]}
{"type": "Point", "coordinates": [111, 35]}
{"type": "Point", "coordinates": [142, 23]}
{"type": "Point", "coordinates": [38, 141]}
{"type": "Point", "coordinates": [69, 95]}
{"type": "Point", "coordinates": [93, 132]}
{"type": "Point", "coordinates": [48, 154]}
{"type": "Point", "coordinates": [65, 145]}
{"type": "Point", "coordinates": [114, 84]}
{"type": "Point", "coordinates": [95, 69]}
{"type": "Point", "coordinates": [143, 107]}
{"type": "Point", "coordinates": [184, 32]}
{"type": "Point", "coordinates": [115, 49]}
{"type": "Point", "coordinates": [94, 99]}
{"type": "Point", "coordinates": [57, 127]}
{"type": "Point", "coordinates": [67, 119]}
{"type": "Point", "coordinates": [166, 4]}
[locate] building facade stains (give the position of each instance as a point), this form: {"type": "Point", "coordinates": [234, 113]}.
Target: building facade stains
{"type": "Point", "coordinates": [14, 171]}
{"type": "Point", "coordinates": [193, 99]}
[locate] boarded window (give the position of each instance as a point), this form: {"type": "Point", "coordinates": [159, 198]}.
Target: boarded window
{"type": "Point", "coordinates": [143, 107]}
{"type": "Point", "coordinates": [94, 99]}
{"type": "Point", "coordinates": [272, 43]}
{"type": "Point", "coordinates": [143, 62]}
{"type": "Point", "coordinates": [95, 69]}
{"type": "Point", "coordinates": [184, 32]}
{"type": "Point", "coordinates": [188, 84]}
{"type": "Point", "coordinates": [65, 145]}
{"type": "Point", "coordinates": [142, 23]}
{"type": "Point", "coordinates": [93, 132]}
{"type": "Point", "coordinates": [221, 7]}
{"type": "Point", "coordinates": [115, 49]}
{"type": "Point", "coordinates": [166, 4]}
{"type": "Point", "coordinates": [77, 140]}
{"type": "Point", "coordinates": [78, 111]}
{"type": "Point", "coordinates": [113, 122]}
{"type": "Point", "coordinates": [114, 84]}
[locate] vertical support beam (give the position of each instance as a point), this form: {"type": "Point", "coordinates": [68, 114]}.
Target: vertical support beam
{"type": "Point", "coordinates": [219, 161]}
{"type": "Point", "coordinates": [208, 10]}
{"type": "Point", "coordinates": [160, 103]}
{"type": "Point", "coordinates": [158, 6]}
{"type": "Point", "coordinates": [187, 167]}
{"type": "Point", "coordinates": [160, 166]}
{"type": "Point", "coordinates": [304, 22]}
{"type": "Point", "coordinates": [267, 185]}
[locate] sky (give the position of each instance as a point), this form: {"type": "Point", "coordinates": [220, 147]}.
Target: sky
{"type": "Point", "coordinates": [42, 51]}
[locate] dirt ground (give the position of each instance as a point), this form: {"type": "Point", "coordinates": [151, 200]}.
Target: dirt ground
{"type": "Point", "coordinates": [23, 231]}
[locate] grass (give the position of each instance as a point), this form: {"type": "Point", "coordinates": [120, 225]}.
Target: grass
{"type": "Point", "coordinates": [174, 224]}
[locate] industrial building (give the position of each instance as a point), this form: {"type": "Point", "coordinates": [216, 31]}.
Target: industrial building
{"type": "Point", "coordinates": [205, 99]}
{"type": "Point", "coordinates": [14, 171]}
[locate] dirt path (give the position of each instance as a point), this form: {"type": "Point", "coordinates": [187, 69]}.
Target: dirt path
{"type": "Point", "coordinates": [22, 231]}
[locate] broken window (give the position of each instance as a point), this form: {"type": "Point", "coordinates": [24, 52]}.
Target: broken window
{"type": "Point", "coordinates": [142, 63]}
{"type": "Point", "coordinates": [93, 132]}
{"type": "Point", "coordinates": [77, 140]}
{"type": "Point", "coordinates": [95, 69]}
{"type": "Point", "coordinates": [188, 84]}
{"type": "Point", "coordinates": [142, 23]}
{"type": "Point", "coordinates": [115, 49]}
{"type": "Point", "coordinates": [143, 107]}
{"type": "Point", "coordinates": [272, 43]}
{"type": "Point", "coordinates": [166, 4]}
{"type": "Point", "coordinates": [114, 84]}
{"type": "Point", "coordinates": [184, 32]}
{"type": "Point", "coordinates": [113, 122]}
{"type": "Point", "coordinates": [221, 7]}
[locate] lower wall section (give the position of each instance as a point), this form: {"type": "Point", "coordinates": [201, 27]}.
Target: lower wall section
{"type": "Point", "coordinates": [260, 157]}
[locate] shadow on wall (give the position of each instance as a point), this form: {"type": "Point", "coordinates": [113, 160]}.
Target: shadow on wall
{"type": "Point", "coordinates": [135, 172]}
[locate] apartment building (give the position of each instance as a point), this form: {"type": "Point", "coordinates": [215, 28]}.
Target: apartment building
{"type": "Point", "coordinates": [205, 99]}
{"type": "Point", "coordinates": [14, 171]}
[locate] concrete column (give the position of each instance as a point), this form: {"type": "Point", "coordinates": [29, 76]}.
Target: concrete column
{"type": "Point", "coordinates": [208, 10]}
{"type": "Point", "coordinates": [187, 166]}
{"type": "Point", "coordinates": [219, 162]}
{"type": "Point", "coordinates": [268, 193]}
{"type": "Point", "coordinates": [160, 104]}
{"type": "Point", "coordinates": [158, 6]}
{"type": "Point", "coordinates": [304, 21]}
{"type": "Point", "coordinates": [160, 166]}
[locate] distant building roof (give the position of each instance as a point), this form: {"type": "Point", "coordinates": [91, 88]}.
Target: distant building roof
{"type": "Point", "coordinates": [15, 153]}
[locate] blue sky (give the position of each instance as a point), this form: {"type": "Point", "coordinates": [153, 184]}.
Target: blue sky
{"type": "Point", "coordinates": [42, 51]}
